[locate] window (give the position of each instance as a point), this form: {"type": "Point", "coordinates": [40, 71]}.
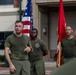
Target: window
{"type": "Point", "coordinates": [3, 36]}
{"type": "Point", "coordinates": [6, 2]}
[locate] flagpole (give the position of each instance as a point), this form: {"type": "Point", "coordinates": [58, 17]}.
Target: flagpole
{"type": "Point", "coordinates": [61, 32]}
{"type": "Point", "coordinates": [20, 10]}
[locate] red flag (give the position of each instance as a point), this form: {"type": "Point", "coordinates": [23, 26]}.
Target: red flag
{"type": "Point", "coordinates": [61, 31]}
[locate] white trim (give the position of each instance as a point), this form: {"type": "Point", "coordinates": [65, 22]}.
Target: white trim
{"type": "Point", "coordinates": [26, 19]}
{"type": "Point", "coordinates": [26, 27]}
{"type": "Point", "coordinates": [9, 9]}
{"type": "Point", "coordinates": [28, 34]}
{"type": "Point", "coordinates": [6, 6]}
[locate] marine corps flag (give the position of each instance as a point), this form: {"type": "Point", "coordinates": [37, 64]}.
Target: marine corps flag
{"type": "Point", "coordinates": [61, 32]}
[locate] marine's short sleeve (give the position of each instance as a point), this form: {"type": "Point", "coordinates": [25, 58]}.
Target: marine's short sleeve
{"type": "Point", "coordinates": [44, 49]}
{"type": "Point", "coordinates": [7, 42]}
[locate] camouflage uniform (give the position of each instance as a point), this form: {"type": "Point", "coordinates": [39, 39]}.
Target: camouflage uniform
{"type": "Point", "coordinates": [36, 57]}
{"type": "Point", "coordinates": [69, 49]}
{"type": "Point", "coordinates": [18, 56]}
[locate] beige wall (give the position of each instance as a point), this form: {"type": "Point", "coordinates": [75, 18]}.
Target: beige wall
{"type": "Point", "coordinates": [36, 16]}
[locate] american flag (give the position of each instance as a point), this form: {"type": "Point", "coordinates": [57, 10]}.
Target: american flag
{"type": "Point", "coordinates": [27, 18]}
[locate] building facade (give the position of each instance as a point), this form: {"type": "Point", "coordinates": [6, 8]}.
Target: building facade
{"type": "Point", "coordinates": [45, 15]}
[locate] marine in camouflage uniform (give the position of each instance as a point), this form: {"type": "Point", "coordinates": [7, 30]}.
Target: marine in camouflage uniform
{"type": "Point", "coordinates": [20, 46]}
{"type": "Point", "coordinates": [68, 45]}
{"type": "Point", "coordinates": [36, 56]}
{"type": "Point", "coordinates": [69, 61]}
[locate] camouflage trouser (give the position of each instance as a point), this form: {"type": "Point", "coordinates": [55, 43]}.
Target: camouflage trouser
{"type": "Point", "coordinates": [38, 67]}
{"type": "Point", "coordinates": [22, 67]}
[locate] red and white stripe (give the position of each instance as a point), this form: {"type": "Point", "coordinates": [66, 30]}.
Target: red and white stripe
{"type": "Point", "coordinates": [26, 21]}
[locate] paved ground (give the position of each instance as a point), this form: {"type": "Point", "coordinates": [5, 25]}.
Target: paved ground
{"type": "Point", "coordinates": [49, 67]}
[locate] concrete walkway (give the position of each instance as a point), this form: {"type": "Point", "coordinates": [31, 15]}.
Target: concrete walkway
{"type": "Point", "coordinates": [48, 65]}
